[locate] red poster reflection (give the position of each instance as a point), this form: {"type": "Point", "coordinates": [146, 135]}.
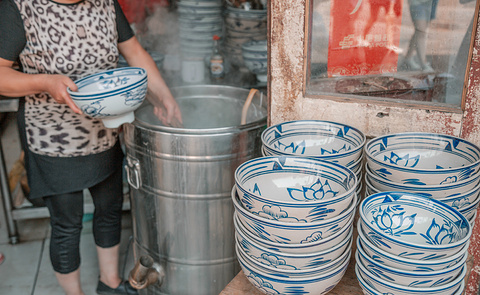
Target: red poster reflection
{"type": "Point", "coordinates": [364, 37]}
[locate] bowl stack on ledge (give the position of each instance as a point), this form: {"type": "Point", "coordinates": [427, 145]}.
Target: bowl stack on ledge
{"type": "Point", "coordinates": [441, 167]}
{"type": "Point", "coordinates": [294, 223]}
{"type": "Point", "coordinates": [409, 244]}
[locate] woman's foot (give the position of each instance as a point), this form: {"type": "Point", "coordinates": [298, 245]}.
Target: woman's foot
{"type": "Point", "coordinates": [411, 64]}
{"type": "Point", "coordinates": [123, 289]}
{"type": "Point", "coordinates": [2, 258]}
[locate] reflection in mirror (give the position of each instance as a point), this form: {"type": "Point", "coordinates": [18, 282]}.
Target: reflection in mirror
{"type": "Point", "coordinates": [408, 50]}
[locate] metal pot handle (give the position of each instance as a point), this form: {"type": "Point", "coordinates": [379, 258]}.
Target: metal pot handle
{"type": "Point", "coordinates": [133, 172]}
{"type": "Point", "coordinates": [247, 103]}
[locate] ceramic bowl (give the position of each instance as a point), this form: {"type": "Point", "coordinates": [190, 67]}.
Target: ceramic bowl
{"type": "Point", "coordinates": [413, 226]}
{"type": "Point", "coordinates": [387, 287]}
{"type": "Point", "coordinates": [469, 211]}
{"type": "Point", "coordinates": [294, 189]}
{"type": "Point", "coordinates": [438, 191]}
{"type": "Point", "coordinates": [422, 158]}
{"type": "Point", "coordinates": [245, 24]}
{"type": "Point", "coordinates": [289, 261]}
{"type": "Point", "coordinates": [325, 140]}
{"type": "Point", "coordinates": [258, 66]}
{"type": "Point", "coordinates": [458, 201]}
{"type": "Point", "coordinates": [272, 269]}
{"type": "Point", "coordinates": [259, 14]}
{"type": "Point", "coordinates": [111, 95]}
{"type": "Point", "coordinates": [408, 278]}
{"type": "Point", "coordinates": [406, 263]}
{"type": "Point", "coordinates": [290, 232]}
{"type": "Point", "coordinates": [270, 284]}
{"type": "Point", "coordinates": [318, 246]}
{"type": "Point", "coordinates": [255, 49]}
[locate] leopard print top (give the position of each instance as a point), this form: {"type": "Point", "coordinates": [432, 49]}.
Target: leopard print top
{"type": "Point", "coordinates": [74, 40]}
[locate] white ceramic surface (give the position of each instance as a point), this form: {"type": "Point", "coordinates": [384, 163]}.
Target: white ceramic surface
{"type": "Point", "coordinates": [413, 225]}
{"type": "Point", "coordinates": [330, 141]}
{"type": "Point", "coordinates": [294, 189]}
{"type": "Point", "coordinates": [422, 158]}
{"type": "Point", "coordinates": [387, 287]}
{"type": "Point", "coordinates": [410, 278]}
{"type": "Point", "coordinates": [272, 269]}
{"type": "Point", "coordinates": [269, 284]}
{"type": "Point", "coordinates": [406, 263]}
{"type": "Point", "coordinates": [293, 232]}
{"type": "Point", "coordinates": [436, 191]}
{"type": "Point", "coordinates": [289, 261]}
{"type": "Point", "coordinates": [320, 245]}
{"type": "Point", "coordinates": [111, 95]}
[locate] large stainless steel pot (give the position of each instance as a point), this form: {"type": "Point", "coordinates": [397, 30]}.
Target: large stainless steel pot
{"type": "Point", "coordinates": [180, 183]}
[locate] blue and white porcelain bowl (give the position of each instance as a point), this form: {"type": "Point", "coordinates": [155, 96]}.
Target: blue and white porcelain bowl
{"type": "Point", "coordinates": [318, 246]}
{"type": "Point", "coordinates": [245, 24]}
{"type": "Point", "coordinates": [406, 263]}
{"type": "Point", "coordinates": [111, 95]}
{"type": "Point", "coordinates": [437, 191]}
{"type": "Point", "coordinates": [293, 232]}
{"type": "Point", "coordinates": [271, 284]}
{"type": "Point", "coordinates": [273, 270]}
{"type": "Point", "coordinates": [289, 261]}
{"type": "Point", "coordinates": [408, 278]}
{"type": "Point", "coordinates": [294, 189]}
{"type": "Point", "coordinates": [255, 49]}
{"type": "Point", "coordinates": [387, 287]}
{"type": "Point", "coordinates": [413, 226]}
{"type": "Point", "coordinates": [422, 158]}
{"type": "Point", "coordinates": [330, 141]}
{"type": "Point", "coordinates": [258, 66]}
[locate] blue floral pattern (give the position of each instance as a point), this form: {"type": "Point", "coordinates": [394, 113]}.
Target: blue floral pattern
{"type": "Point", "coordinates": [316, 191]}
{"type": "Point", "coordinates": [439, 235]}
{"type": "Point", "coordinates": [392, 220]}
{"type": "Point", "coordinates": [113, 83]}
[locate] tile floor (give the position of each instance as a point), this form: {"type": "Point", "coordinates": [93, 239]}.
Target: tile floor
{"type": "Point", "coordinates": [27, 269]}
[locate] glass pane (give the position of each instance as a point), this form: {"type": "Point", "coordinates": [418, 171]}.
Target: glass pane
{"type": "Point", "coordinates": [401, 50]}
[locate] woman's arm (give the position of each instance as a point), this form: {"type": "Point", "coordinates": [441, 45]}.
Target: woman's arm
{"type": "Point", "coordinates": [165, 106]}
{"type": "Point", "coordinates": [14, 84]}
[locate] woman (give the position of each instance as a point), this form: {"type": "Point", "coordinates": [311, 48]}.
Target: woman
{"type": "Point", "coordinates": [57, 42]}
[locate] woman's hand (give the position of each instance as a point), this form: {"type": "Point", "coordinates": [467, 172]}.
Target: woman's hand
{"type": "Point", "coordinates": [166, 109]}
{"type": "Point", "coordinates": [56, 86]}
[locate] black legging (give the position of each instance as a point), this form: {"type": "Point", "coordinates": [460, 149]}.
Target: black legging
{"type": "Point", "coordinates": [66, 216]}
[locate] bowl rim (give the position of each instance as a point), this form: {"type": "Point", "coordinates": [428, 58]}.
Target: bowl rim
{"type": "Point", "coordinates": [303, 271]}
{"type": "Point", "coordinates": [433, 203]}
{"type": "Point", "coordinates": [115, 70]}
{"type": "Point", "coordinates": [356, 149]}
{"type": "Point", "coordinates": [421, 170]}
{"type": "Point", "coordinates": [295, 225]}
{"type": "Point", "coordinates": [449, 198]}
{"type": "Point", "coordinates": [349, 227]}
{"type": "Point", "coordinates": [403, 272]}
{"type": "Point", "coordinates": [305, 279]}
{"type": "Point", "coordinates": [322, 162]}
{"type": "Point", "coordinates": [426, 187]}
{"type": "Point", "coordinates": [106, 95]}
{"type": "Point", "coordinates": [339, 245]}
{"type": "Point", "coordinates": [451, 284]}
{"type": "Point", "coordinates": [445, 260]}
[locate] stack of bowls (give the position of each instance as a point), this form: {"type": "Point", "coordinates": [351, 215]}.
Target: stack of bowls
{"type": "Point", "coordinates": [442, 167]}
{"type": "Point", "coordinates": [324, 140]}
{"type": "Point", "coordinates": [241, 26]}
{"type": "Point", "coordinates": [199, 21]}
{"type": "Point", "coordinates": [254, 55]}
{"type": "Point", "coordinates": [293, 223]}
{"type": "Point", "coordinates": [409, 244]}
